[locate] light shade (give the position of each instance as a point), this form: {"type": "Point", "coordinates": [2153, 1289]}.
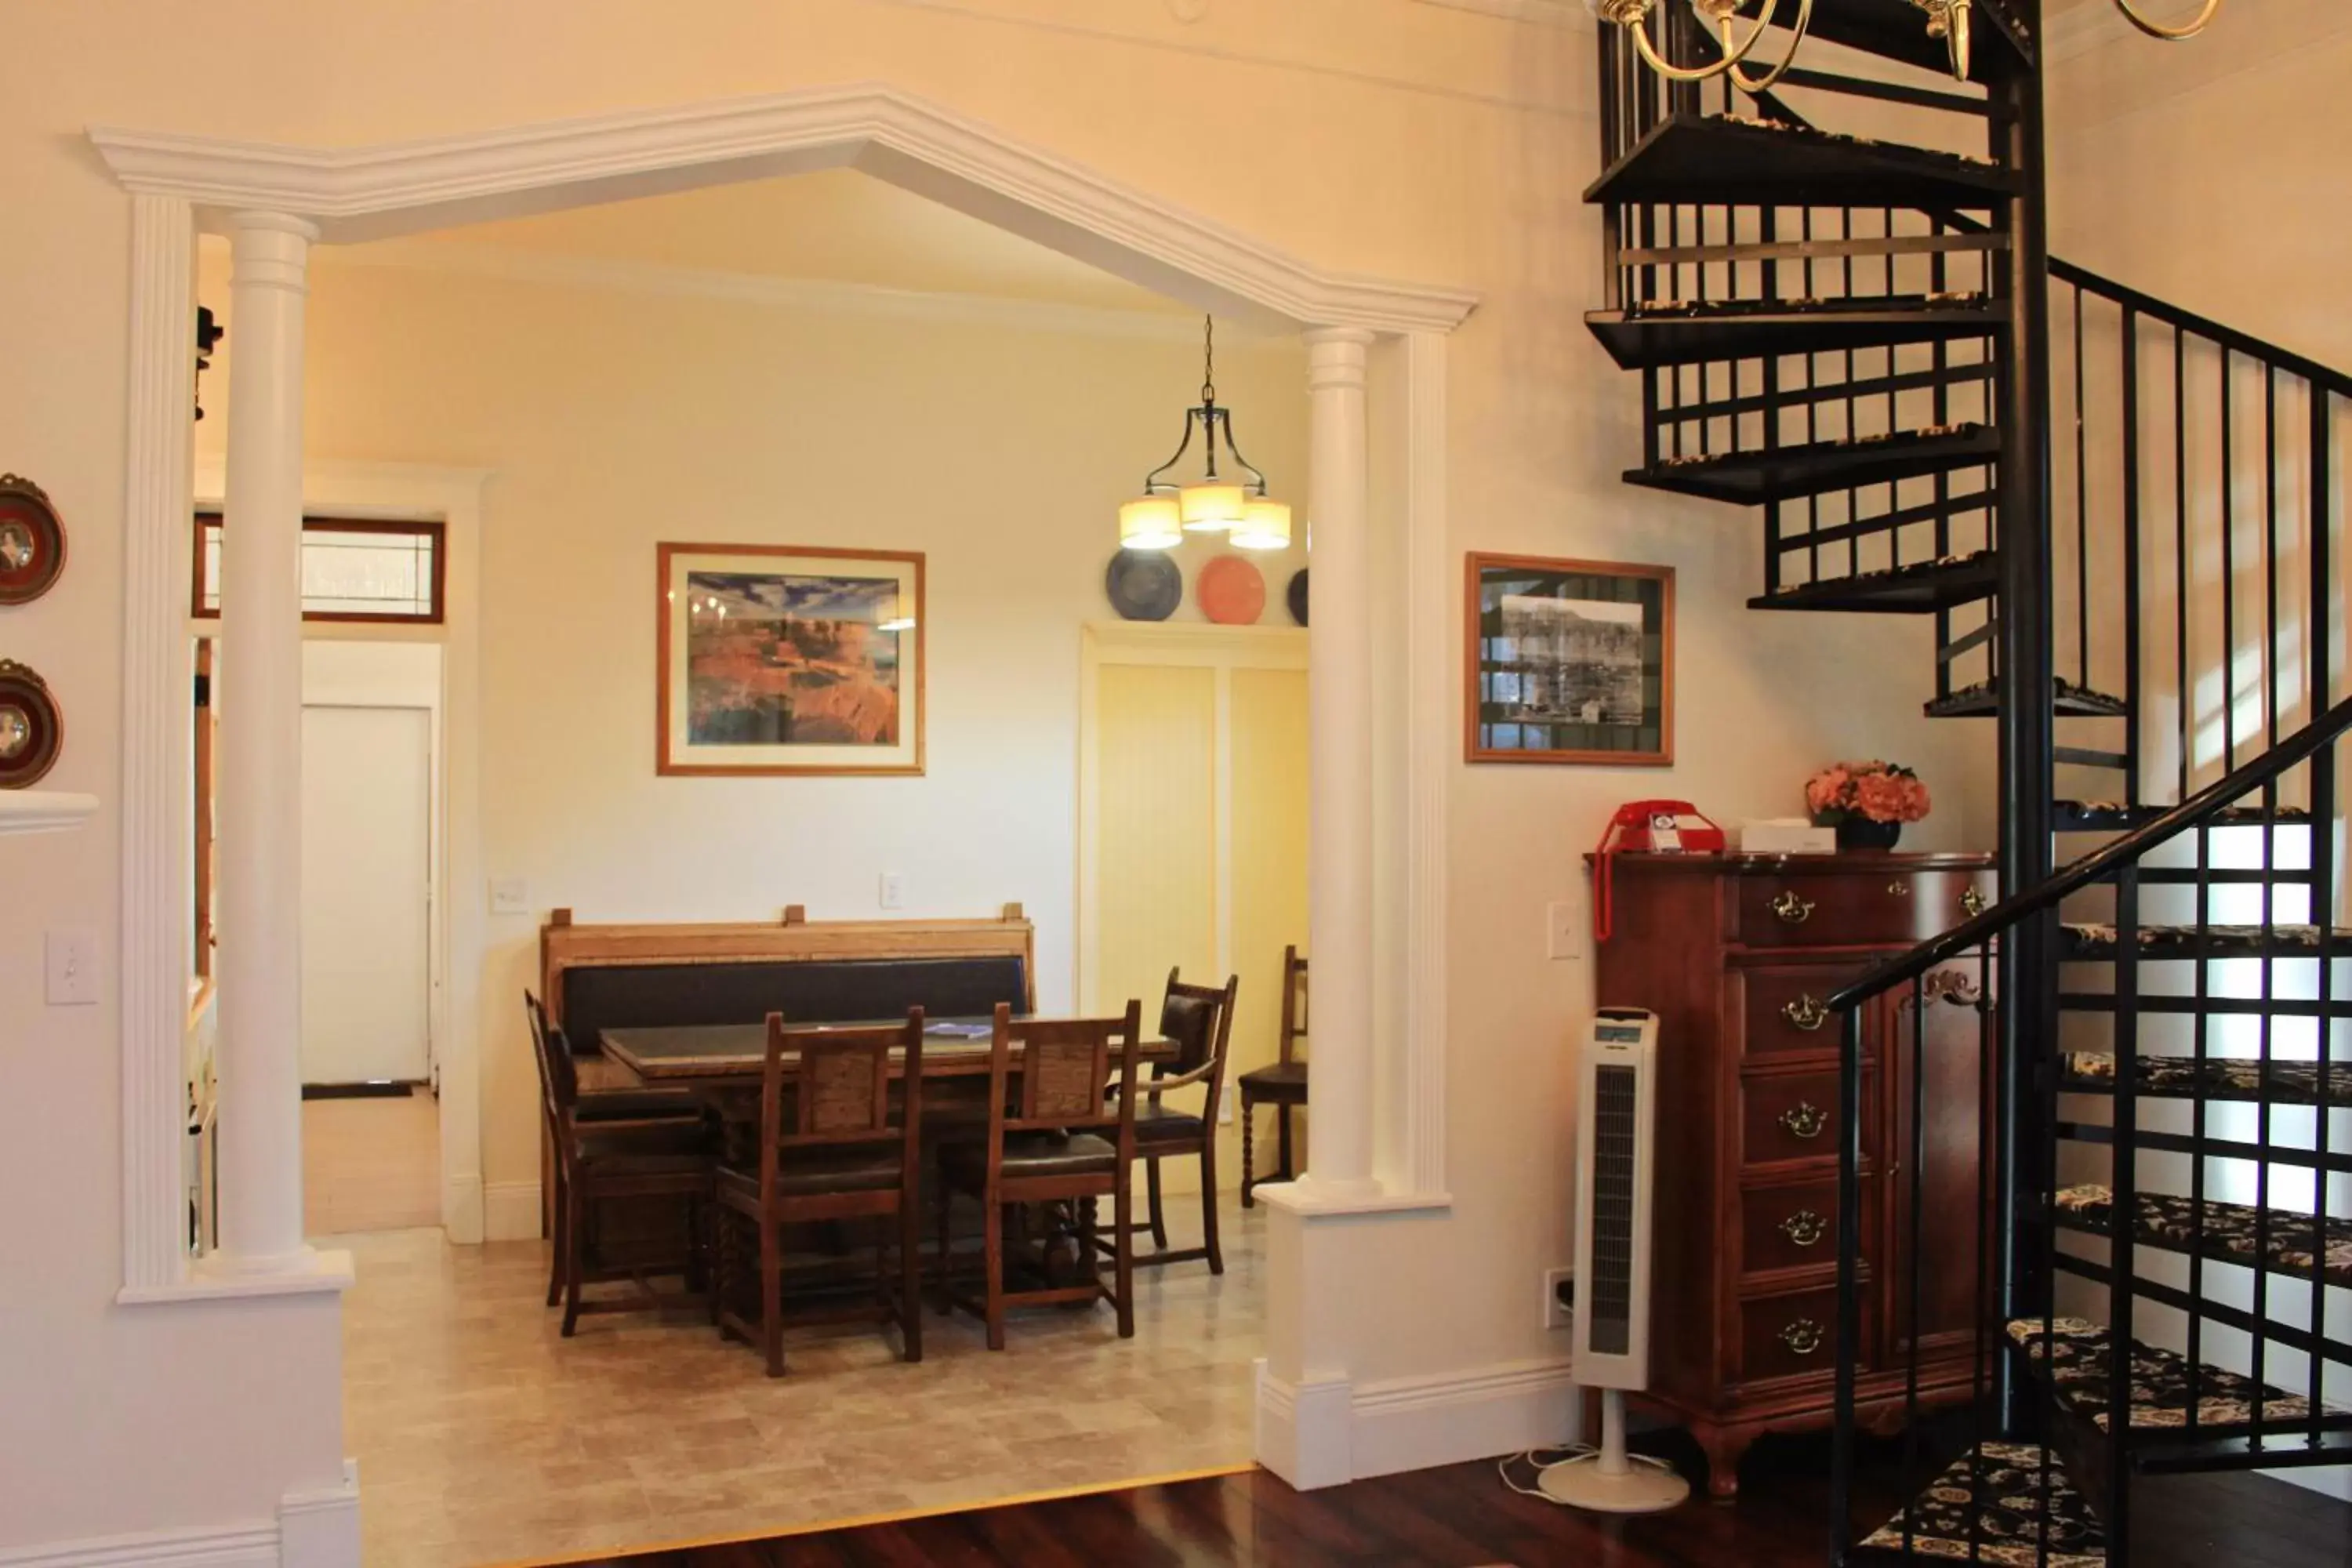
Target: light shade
{"type": "Point", "coordinates": [1150, 523]}
{"type": "Point", "coordinates": [1265, 525]}
{"type": "Point", "coordinates": [1211, 508]}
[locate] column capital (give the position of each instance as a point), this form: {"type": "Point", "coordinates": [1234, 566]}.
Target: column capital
{"type": "Point", "coordinates": [1335, 356]}
{"type": "Point", "coordinates": [255, 221]}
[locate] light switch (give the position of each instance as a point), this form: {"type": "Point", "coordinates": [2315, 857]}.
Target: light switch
{"type": "Point", "coordinates": [72, 969]}
{"type": "Point", "coordinates": [510, 896]}
{"type": "Point", "coordinates": [1564, 928]}
{"type": "Point", "coordinates": [894, 890]}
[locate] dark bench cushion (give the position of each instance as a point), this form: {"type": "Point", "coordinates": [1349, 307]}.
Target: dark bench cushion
{"type": "Point", "coordinates": [641, 995]}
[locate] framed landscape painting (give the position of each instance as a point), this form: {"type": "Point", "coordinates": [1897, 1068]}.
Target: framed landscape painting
{"type": "Point", "coordinates": [790, 660]}
{"type": "Point", "coordinates": [1569, 662]}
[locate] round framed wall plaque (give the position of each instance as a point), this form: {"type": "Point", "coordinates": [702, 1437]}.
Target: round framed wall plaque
{"type": "Point", "coordinates": [32, 732]}
{"type": "Point", "coordinates": [32, 542]}
{"type": "Point", "coordinates": [1298, 595]}
{"type": "Point", "coordinates": [1144, 584]}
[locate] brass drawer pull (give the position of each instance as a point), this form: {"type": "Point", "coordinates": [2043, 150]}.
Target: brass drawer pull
{"type": "Point", "coordinates": [1898, 889]}
{"type": "Point", "coordinates": [1806, 1012]}
{"type": "Point", "coordinates": [1972, 902]}
{"type": "Point", "coordinates": [1803, 1337]}
{"type": "Point", "coordinates": [1804, 1229]}
{"type": "Point", "coordinates": [1791, 909]}
{"type": "Point", "coordinates": [1804, 1120]}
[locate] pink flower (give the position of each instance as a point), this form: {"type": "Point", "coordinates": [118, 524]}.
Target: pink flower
{"type": "Point", "coordinates": [1879, 796]}
{"type": "Point", "coordinates": [1828, 790]}
{"type": "Point", "coordinates": [1877, 790]}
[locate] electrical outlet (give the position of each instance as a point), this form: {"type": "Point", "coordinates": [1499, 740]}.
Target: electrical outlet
{"type": "Point", "coordinates": [72, 961]}
{"type": "Point", "coordinates": [1564, 929]}
{"type": "Point", "coordinates": [894, 890]}
{"type": "Point", "coordinates": [1225, 1111]}
{"type": "Point", "coordinates": [1558, 1297]}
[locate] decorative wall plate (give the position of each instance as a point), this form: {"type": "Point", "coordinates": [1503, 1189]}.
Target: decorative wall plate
{"type": "Point", "coordinates": [32, 542]}
{"type": "Point", "coordinates": [32, 732]}
{"type": "Point", "coordinates": [1232, 592]}
{"type": "Point", "coordinates": [1297, 594]}
{"type": "Point", "coordinates": [1144, 584]}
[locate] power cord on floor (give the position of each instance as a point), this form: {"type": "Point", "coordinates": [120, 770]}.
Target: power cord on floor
{"type": "Point", "coordinates": [1566, 1454]}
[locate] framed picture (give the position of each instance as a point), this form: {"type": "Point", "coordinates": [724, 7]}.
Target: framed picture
{"type": "Point", "coordinates": [782, 658]}
{"type": "Point", "coordinates": [1569, 661]}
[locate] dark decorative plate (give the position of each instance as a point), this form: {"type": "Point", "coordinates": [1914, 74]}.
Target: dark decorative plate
{"type": "Point", "coordinates": [1297, 594]}
{"type": "Point", "coordinates": [31, 730]}
{"type": "Point", "coordinates": [1144, 584]}
{"type": "Point", "coordinates": [32, 542]}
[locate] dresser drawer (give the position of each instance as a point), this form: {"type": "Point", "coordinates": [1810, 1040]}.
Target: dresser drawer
{"type": "Point", "coordinates": [1785, 1008]}
{"type": "Point", "coordinates": [1789, 1336]}
{"type": "Point", "coordinates": [1795, 1227]}
{"type": "Point", "coordinates": [1794, 1116]}
{"type": "Point", "coordinates": [1840, 904]}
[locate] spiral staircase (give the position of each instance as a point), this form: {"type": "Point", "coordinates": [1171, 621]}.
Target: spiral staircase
{"type": "Point", "coordinates": [2118, 517]}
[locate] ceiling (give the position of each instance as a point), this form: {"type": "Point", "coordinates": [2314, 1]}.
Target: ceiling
{"type": "Point", "coordinates": [838, 226]}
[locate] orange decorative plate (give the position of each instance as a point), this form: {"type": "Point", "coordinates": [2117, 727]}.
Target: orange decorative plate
{"type": "Point", "coordinates": [1232, 592]}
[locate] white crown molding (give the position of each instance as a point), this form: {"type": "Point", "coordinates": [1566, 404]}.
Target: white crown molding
{"type": "Point", "coordinates": [400, 189]}
{"type": "Point", "coordinates": [1552, 13]}
{"type": "Point", "coordinates": [767, 291]}
{"type": "Point", "coordinates": [43, 810]}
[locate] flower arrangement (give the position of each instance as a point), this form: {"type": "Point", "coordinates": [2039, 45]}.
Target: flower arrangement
{"type": "Point", "coordinates": [1866, 792]}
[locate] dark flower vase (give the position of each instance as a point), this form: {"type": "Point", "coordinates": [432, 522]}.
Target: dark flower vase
{"type": "Point", "coordinates": [1858, 832]}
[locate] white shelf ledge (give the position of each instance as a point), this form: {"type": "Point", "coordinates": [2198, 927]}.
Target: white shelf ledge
{"type": "Point", "coordinates": [43, 810]}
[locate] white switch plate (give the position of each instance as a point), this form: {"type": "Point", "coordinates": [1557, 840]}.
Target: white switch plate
{"type": "Point", "coordinates": [510, 896]}
{"type": "Point", "coordinates": [72, 958]}
{"type": "Point", "coordinates": [894, 890]}
{"type": "Point", "coordinates": [1564, 928]}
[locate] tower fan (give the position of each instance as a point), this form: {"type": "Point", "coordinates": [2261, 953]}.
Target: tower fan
{"type": "Point", "coordinates": [1617, 1084]}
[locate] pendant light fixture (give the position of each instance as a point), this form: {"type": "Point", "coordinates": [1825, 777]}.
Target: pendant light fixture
{"type": "Point", "coordinates": [1233, 501]}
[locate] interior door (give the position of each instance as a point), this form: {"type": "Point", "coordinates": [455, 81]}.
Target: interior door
{"type": "Point", "coordinates": [367, 812]}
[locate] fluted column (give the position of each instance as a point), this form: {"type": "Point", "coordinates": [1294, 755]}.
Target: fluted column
{"type": "Point", "coordinates": [1339, 740]}
{"type": "Point", "coordinates": [260, 794]}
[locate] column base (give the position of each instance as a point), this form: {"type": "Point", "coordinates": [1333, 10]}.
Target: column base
{"type": "Point", "coordinates": [307, 1272]}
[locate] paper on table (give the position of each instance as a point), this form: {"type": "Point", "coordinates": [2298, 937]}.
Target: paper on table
{"type": "Point", "coordinates": [961, 1031]}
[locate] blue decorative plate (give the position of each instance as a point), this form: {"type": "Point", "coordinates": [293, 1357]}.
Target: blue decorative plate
{"type": "Point", "coordinates": [1297, 594]}
{"type": "Point", "coordinates": [1144, 584]}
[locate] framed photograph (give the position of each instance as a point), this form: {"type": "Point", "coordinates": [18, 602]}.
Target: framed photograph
{"type": "Point", "coordinates": [786, 659]}
{"type": "Point", "coordinates": [1569, 661]}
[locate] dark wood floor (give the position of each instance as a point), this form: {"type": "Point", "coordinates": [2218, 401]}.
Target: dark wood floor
{"type": "Point", "coordinates": [1462, 1517]}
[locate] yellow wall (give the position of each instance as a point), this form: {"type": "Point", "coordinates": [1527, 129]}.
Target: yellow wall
{"type": "Point", "coordinates": [1269, 871]}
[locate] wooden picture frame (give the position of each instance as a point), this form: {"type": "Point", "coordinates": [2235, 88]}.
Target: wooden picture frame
{"type": "Point", "coordinates": [840, 691]}
{"type": "Point", "coordinates": [1608, 700]}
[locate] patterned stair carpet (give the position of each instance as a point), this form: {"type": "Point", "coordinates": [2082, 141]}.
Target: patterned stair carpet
{"type": "Point", "coordinates": [1990, 1506]}
{"type": "Point", "coordinates": [2218, 1077]}
{"type": "Point", "coordinates": [2231, 1230]}
{"type": "Point", "coordinates": [2093, 940]}
{"type": "Point", "coordinates": [2160, 1383]}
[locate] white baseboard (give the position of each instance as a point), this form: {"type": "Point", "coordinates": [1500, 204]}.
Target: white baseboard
{"type": "Point", "coordinates": [1325, 1432]}
{"type": "Point", "coordinates": [510, 1210]}
{"type": "Point", "coordinates": [313, 1529]}
{"type": "Point", "coordinates": [461, 1208]}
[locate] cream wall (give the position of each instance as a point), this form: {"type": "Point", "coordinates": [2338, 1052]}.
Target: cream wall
{"type": "Point", "coordinates": [612, 419]}
{"type": "Point", "coordinates": [1381, 136]}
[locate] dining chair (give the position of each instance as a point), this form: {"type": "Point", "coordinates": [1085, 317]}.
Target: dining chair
{"type": "Point", "coordinates": [1281, 1083]}
{"type": "Point", "coordinates": [1054, 1139]}
{"type": "Point", "coordinates": [1198, 1020]}
{"type": "Point", "coordinates": [829, 1149]}
{"type": "Point", "coordinates": [597, 1164]}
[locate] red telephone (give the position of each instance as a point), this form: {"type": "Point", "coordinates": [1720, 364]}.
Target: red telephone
{"type": "Point", "coordinates": [1653, 827]}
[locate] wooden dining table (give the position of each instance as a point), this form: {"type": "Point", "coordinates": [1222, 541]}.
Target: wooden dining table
{"type": "Point", "coordinates": [718, 1057]}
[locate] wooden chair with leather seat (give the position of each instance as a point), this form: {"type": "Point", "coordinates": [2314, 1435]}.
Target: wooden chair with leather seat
{"type": "Point", "coordinates": [1066, 1143]}
{"type": "Point", "coordinates": [1200, 1020]}
{"type": "Point", "coordinates": [1281, 1083]}
{"type": "Point", "coordinates": [601, 1162]}
{"type": "Point", "coordinates": [830, 1149]}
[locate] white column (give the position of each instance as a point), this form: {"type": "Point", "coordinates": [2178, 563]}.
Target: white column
{"type": "Point", "coordinates": [260, 794]}
{"type": "Point", "coordinates": [1339, 736]}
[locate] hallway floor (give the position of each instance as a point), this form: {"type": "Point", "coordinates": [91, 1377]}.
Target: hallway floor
{"type": "Point", "coordinates": [370, 1163]}
{"type": "Point", "coordinates": [483, 1436]}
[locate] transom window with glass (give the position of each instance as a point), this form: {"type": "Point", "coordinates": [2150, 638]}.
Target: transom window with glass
{"type": "Point", "coordinates": [354, 569]}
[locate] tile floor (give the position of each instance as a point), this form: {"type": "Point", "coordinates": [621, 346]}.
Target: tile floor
{"type": "Point", "coordinates": [483, 1436]}
{"type": "Point", "coordinates": [370, 1163]}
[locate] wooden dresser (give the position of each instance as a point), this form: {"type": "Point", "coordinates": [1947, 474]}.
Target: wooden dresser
{"type": "Point", "coordinates": [1736, 954]}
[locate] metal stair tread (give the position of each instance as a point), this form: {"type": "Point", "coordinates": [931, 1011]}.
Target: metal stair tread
{"type": "Point", "coordinates": [2225, 1402]}
{"type": "Point", "coordinates": [2116, 816]}
{"type": "Point", "coordinates": [2218, 1077]}
{"type": "Point", "coordinates": [1982, 700]}
{"type": "Point", "coordinates": [1783, 473]}
{"type": "Point", "coordinates": [1987, 1507]}
{"type": "Point", "coordinates": [2095, 941]}
{"type": "Point", "coordinates": [1743, 328]}
{"type": "Point", "coordinates": [2170, 1224]}
{"type": "Point", "coordinates": [1918, 589]}
{"type": "Point", "coordinates": [1712, 160]}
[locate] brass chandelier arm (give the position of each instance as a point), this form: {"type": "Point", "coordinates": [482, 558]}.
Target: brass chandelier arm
{"type": "Point", "coordinates": [1634, 21]}
{"type": "Point", "coordinates": [1763, 83]}
{"type": "Point", "coordinates": [2170, 33]}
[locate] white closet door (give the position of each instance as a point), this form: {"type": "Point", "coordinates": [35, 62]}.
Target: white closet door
{"type": "Point", "coordinates": [367, 806]}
